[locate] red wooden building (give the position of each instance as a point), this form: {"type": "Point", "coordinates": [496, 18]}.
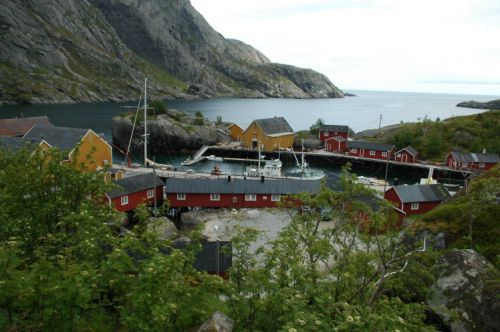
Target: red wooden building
{"type": "Point", "coordinates": [328, 131]}
{"type": "Point", "coordinates": [472, 161]}
{"type": "Point", "coordinates": [234, 193]}
{"type": "Point", "coordinates": [406, 155]}
{"type": "Point", "coordinates": [416, 199]}
{"type": "Point", "coordinates": [336, 144]}
{"type": "Point", "coordinates": [134, 190]}
{"type": "Point", "coordinates": [370, 149]}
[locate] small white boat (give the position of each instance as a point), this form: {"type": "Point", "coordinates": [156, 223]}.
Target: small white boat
{"type": "Point", "coordinates": [214, 158]}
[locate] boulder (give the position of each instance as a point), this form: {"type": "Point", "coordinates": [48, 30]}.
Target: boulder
{"type": "Point", "coordinates": [465, 293]}
{"type": "Point", "coordinates": [217, 323]}
{"type": "Point", "coordinates": [192, 219]}
{"type": "Point", "coordinates": [163, 227]}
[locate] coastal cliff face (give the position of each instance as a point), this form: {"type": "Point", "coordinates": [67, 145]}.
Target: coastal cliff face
{"type": "Point", "coordinates": [174, 131]}
{"type": "Point", "coordinates": [100, 50]}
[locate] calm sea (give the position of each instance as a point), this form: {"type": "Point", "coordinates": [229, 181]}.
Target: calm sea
{"type": "Point", "coordinates": [360, 113]}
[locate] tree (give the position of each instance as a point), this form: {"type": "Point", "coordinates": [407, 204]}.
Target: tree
{"type": "Point", "coordinates": [314, 129]}
{"type": "Point", "coordinates": [318, 278]}
{"type": "Point", "coordinates": [157, 107]}
{"type": "Point", "coordinates": [64, 265]}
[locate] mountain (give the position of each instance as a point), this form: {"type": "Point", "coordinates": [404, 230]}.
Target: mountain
{"type": "Point", "coordinates": [100, 50]}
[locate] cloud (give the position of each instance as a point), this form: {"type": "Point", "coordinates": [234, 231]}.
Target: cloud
{"type": "Point", "coordinates": [372, 44]}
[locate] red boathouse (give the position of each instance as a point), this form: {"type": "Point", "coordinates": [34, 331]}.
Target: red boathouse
{"type": "Point", "coordinates": [472, 161]}
{"type": "Point", "coordinates": [416, 199]}
{"type": "Point", "coordinates": [234, 193]}
{"type": "Point", "coordinates": [406, 155]}
{"type": "Point", "coordinates": [328, 131]}
{"type": "Point", "coordinates": [371, 150]}
{"type": "Point", "coordinates": [336, 144]}
{"type": "Point", "coordinates": [134, 190]}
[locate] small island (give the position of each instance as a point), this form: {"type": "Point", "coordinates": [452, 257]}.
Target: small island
{"type": "Point", "coordinates": [489, 105]}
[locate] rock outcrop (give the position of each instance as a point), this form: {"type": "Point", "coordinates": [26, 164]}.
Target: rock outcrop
{"type": "Point", "coordinates": [465, 295]}
{"type": "Point", "coordinates": [100, 50]}
{"type": "Point", "coordinates": [217, 323]}
{"type": "Point", "coordinates": [489, 105]}
{"type": "Point", "coordinates": [174, 131]}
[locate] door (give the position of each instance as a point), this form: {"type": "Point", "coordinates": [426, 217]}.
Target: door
{"type": "Point", "coordinates": [404, 157]}
{"type": "Point", "coordinates": [361, 152]}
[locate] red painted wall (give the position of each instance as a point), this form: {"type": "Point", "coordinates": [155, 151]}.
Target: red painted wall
{"type": "Point", "coordinates": [366, 154]}
{"type": "Point", "coordinates": [392, 196]}
{"type": "Point", "coordinates": [226, 201]}
{"type": "Point", "coordinates": [335, 146]}
{"type": "Point", "coordinates": [331, 134]}
{"type": "Point", "coordinates": [409, 157]}
{"type": "Point", "coordinates": [137, 198]}
{"type": "Point", "coordinates": [450, 162]}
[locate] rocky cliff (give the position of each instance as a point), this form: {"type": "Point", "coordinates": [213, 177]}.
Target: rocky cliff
{"type": "Point", "coordinates": [171, 132]}
{"type": "Point", "coordinates": [100, 50]}
{"type": "Point", "coordinates": [489, 105]}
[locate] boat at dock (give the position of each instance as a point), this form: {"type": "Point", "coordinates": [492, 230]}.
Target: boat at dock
{"type": "Point", "coordinates": [214, 158]}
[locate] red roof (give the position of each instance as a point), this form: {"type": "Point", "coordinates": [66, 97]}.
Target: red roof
{"type": "Point", "coordinates": [20, 126]}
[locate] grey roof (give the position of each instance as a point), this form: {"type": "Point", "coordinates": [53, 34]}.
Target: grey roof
{"type": "Point", "coordinates": [410, 149]}
{"type": "Point", "coordinates": [337, 138]}
{"type": "Point", "coordinates": [19, 126]}
{"type": "Point", "coordinates": [133, 184]}
{"type": "Point", "coordinates": [369, 145]}
{"type": "Point", "coordinates": [276, 125]}
{"type": "Point", "coordinates": [17, 143]}
{"type": "Point", "coordinates": [422, 193]}
{"type": "Point", "coordinates": [470, 157]}
{"type": "Point", "coordinates": [240, 186]}
{"type": "Point", "coordinates": [334, 128]}
{"type": "Point", "coordinates": [66, 139]}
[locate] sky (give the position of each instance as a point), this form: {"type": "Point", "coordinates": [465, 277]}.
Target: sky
{"type": "Point", "coordinates": [441, 46]}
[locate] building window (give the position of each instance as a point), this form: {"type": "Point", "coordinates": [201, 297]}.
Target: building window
{"type": "Point", "coordinates": [124, 200]}
{"type": "Point", "coordinates": [326, 133]}
{"type": "Point", "coordinates": [384, 154]}
{"type": "Point", "coordinates": [181, 197]}
{"type": "Point", "coordinates": [354, 150]}
{"type": "Point", "coordinates": [275, 198]}
{"type": "Point", "coordinates": [150, 193]}
{"type": "Point", "coordinates": [464, 164]}
{"type": "Point", "coordinates": [372, 152]}
{"type": "Point", "coordinates": [414, 206]}
{"type": "Point", "coordinates": [481, 165]}
{"type": "Point", "coordinates": [215, 197]}
{"type": "Point", "coordinates": [250, 197]}
{"type": "Point", "coordinates": [399, 155]}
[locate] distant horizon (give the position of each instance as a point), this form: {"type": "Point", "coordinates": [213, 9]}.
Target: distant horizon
{"type": "Point", "coordinates": [423, 92]}
{"type": "Point", "coordinates": [387, 45]}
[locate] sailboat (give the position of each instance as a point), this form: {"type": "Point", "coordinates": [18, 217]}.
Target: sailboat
{"type": "Point", "coordinates": [303, 171]}
{"type": "Point", "coordinates": [271, 168]}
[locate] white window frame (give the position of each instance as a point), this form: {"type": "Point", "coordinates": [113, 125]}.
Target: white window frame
{"type": "Point", "coordinates": [250, 197]}
{"type": "Point", "coordinates": [215, 197]}
{"type": "Point", "coordinates": [464, 164]}
{"type": "Point", "coordinates": [384, 154]}
{"type": "Point", "coordinates": [275, 198]}
{"type": "Point", "coordinates": [181, 196]}
{"type": "Point", "coordinates": [373, 152]}
{"type": "Point", "coordinates": [124, 200]}
{"type": "Point", "coordinates": [481, 165]}
{"type": "Point", "coordinates": [326, 134]}
{"type": "Point", "coordinates": [150, 193]}
{"type": "Point", "coordinates": [354, 150]}
{"type": "Point", "coordinates": [414, 206]}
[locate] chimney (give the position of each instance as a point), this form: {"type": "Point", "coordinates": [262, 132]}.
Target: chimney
{"type": "Point", "coordinates": [229, 178]}
{"type": "Point", "coordinates": [262, 178]}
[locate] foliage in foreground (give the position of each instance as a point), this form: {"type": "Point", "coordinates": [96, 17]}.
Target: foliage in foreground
{"type": "Point", "coordinates": [65, 266]}
{"type": "Point", "coordinates": [472, 216]}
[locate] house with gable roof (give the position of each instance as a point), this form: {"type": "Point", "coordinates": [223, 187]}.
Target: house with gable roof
{"type": "Point", "coordinates": [416, 199]}
{"type": "Point", "coordinates": [272, 134]}
{"type": "Point", "coordinates": [83, 146]}
{"type": "Point", "coordinates": [329, 131]}
{"type": "Point", "coordinates": [138, 189]}
{"type": "Point", "coordinates": [18, 127]}
{"type": "Point", "coordinates": [14, 144]}
{"type": "Point", "coordinates": [406, 155]}
{"type": "Point", "coordinates": [370, 150]}
{"type": "Point", "coordinates": [472, 161]}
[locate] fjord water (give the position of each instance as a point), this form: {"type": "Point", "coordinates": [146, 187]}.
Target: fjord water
{"type": "Point", "coordinates": [360, 113]}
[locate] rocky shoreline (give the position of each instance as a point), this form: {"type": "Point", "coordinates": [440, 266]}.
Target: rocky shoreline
{"type": "Point", "coordinates": [489, 105]}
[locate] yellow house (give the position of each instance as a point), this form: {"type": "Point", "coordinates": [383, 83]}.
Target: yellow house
{"type": "Point", "coordinates": [235, 131]}
{"type": "Point", "coordinates": [272, 134]}
{"type": "Point", "coordinates": [83, 146]}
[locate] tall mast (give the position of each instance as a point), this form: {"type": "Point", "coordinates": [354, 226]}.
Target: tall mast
{"type": "Point", "coordinates": [145, 122]}
{"type": "Point", "coordinates": [258, 162]}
